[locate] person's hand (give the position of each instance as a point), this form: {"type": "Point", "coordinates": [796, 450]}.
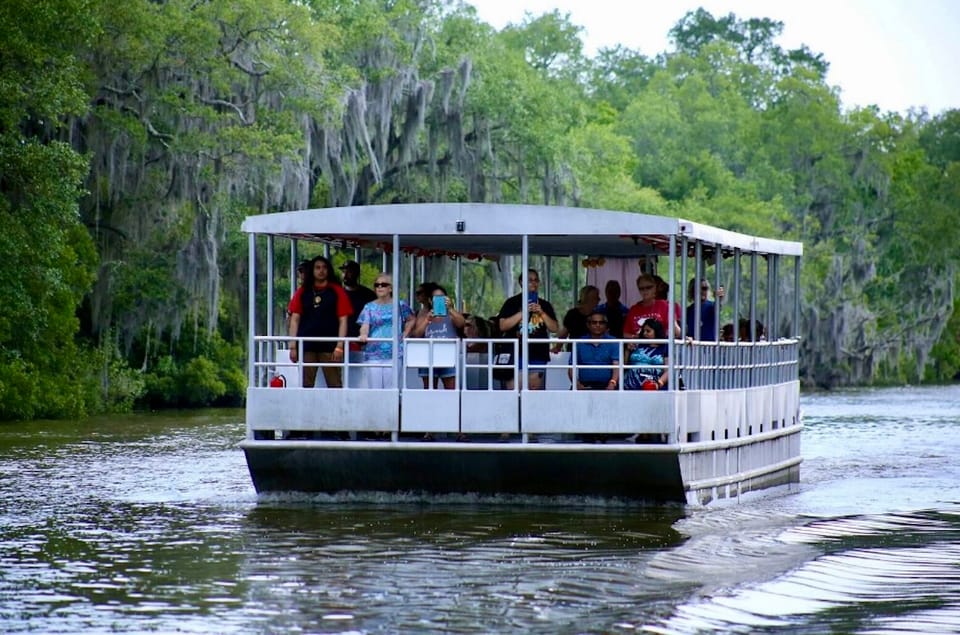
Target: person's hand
{"type": "Point", "coordinates": [293, 354]}
{"type": "Point", "coordinates": [362, 338]}
{"type": "Point", "coordinates": [337, 354]}
{"type": "Point", "coordinates": [720, 293]}
{"type": "Point", "coordinates": [534, 307]}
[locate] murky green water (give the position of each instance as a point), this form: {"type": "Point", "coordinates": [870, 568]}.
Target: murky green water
{"type": "Point", "coordinates": [149, 524]}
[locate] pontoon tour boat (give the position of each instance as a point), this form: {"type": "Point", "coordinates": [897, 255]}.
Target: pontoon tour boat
{"type": "Point", "coordinates": [728, 423]}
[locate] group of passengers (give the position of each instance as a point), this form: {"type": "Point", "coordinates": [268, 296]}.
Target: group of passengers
{"type": "Point", "coordinates": [322, 306]}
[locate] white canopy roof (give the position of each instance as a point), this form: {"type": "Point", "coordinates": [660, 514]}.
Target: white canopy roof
{"type": "Point", "coordinates": [493, 229]}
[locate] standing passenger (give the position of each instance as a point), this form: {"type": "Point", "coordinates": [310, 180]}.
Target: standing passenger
{"type": "Point", "coordinates": [708, 311]}
{"type": "Point", "coordinates": [359, 297]}
{"type": "Point", "coordinates": [613, 308]}
{"type": "Point", "coordinates": [376, 320]}
{"type": "Point", "coordinates": [543, 321]}
{"type": "Point", "coordinates": [319, 308]}
{"type": "Point", "coordinates": [438, 326]}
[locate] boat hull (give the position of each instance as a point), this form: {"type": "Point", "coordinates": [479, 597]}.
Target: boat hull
{"type": "Point", "coordinates": [628, 472]}
{"type": "Point", "coordinates": [689, 473]}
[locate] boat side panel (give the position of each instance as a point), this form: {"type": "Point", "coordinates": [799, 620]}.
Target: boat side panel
{"type": "Point", "coordinates": [728, 470]}
{"type": "Point", "coordinates": [489, 411]}
{"type": "Point", "coordinates": [322, 409]}
{"type": "Point", "coordinates": [651, 476]}
{"type": "Point", "coordinates": [608, 412]}
{"type": "Point", "coordinates": [430, 411]}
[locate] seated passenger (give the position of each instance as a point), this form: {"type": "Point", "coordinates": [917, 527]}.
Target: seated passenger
{"type": "Point", "coordinates": [647, 356]}
{"type": "Point", "coordinates": [615, 310]}
{"type": "Point", "coordinates": [744, 331]}
{"type": "Point", "coordinates": [649, 306]}
{"type": "Point", "coordinates": [726, 332]}
{"type": "Point", "coordinates": [575, 320]}
{"type": "Point", "coordinates": [476, 327]}
{"type": "Point", "coordinates": [587, 354]}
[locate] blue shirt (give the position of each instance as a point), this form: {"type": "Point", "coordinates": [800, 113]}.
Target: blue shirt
{"type": "Point", "coordinates": [708, 321]}
{"type": "Point", "coordinates": [596, 355]}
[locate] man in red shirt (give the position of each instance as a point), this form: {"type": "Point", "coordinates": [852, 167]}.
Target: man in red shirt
{"type": "Point", "coordinates": [319, 308]}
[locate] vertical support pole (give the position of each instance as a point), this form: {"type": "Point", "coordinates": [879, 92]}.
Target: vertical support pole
{"type": "Point", "coordinates": [399, 376]}
{"type": "Point", "coordinates": [251, 308]}
{"type": "Point", "coordinates": [736, 319]}
{"type": "Point", "coordinates": [521, 378]}
{"type": "Point", "coordinates": [269, 272]}
{"type": "Point", "coordinates": [796, 297]}
{"type": "Point", "coordinates": [717, 321]}
{"type": "Point", "coordinates": [671, 320]}
{"type": "Point", "coordinates": [294, 262]}
{"type": "Point", "coordinates": [413, 267]}
{"type": "Point", "coordinates": [753, 317]}
{"type": "Point", "coordinates": [547, 277]}
{"type": "Point", "coordinates": [459, 283]}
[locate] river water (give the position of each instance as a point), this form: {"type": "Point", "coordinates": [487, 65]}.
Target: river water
{"type": "Point", "coordinates": [148, 523]}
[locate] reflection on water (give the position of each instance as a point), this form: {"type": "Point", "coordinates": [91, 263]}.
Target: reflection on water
{"type": "Point", "coordinates": [149, 523]}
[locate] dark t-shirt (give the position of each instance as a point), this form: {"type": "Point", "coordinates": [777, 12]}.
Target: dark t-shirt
{"type": "Point", "coordinates": [359, 296]}
{"type": "Point", "coordinates": [536, 328]}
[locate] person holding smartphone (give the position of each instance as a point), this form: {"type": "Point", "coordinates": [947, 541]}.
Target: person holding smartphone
{"type": "Point", "coordinates": [438, 318]}
{"type": "Point", "coordinates": [541, 322]}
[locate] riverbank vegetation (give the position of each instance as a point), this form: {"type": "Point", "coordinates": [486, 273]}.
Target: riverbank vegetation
{"type": "Point", "coordinates": [134, 137]}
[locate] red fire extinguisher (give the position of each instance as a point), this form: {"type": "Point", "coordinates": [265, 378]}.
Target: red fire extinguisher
{"type": "Point", "coordinates": [278, 381]}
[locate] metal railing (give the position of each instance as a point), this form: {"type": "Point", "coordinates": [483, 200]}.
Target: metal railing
{"type": "Point", "coordinates": [484, 363]}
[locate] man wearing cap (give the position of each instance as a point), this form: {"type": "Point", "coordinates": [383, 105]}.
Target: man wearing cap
{"type": "Point", "coordinates": [359, 296]}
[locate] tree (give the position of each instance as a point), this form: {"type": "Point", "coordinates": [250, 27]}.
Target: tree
{"type": "Point", "coordinates": [48, 256]}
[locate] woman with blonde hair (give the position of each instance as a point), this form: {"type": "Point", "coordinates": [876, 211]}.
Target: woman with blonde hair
{"type": "Point", "coordinates": [376, 320]}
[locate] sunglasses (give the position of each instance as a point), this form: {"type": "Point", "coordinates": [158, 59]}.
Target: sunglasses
{"type": "Point", "coordinates": [381, 285]}
{"type": "Point", "coordinates": [645, 288]}
{"type": "Point", "coordinates": [596, 321]}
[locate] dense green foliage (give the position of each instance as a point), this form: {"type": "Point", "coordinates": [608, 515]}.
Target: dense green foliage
{"type": "Point", "coordinates": [135, 136]}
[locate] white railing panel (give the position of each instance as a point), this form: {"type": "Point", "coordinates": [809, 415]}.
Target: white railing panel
{"type": "Point", "coordinates": [597, 411]}
{"type": "Point", "coordinates": [430, 411]}
{"type": "Point", "coordinates": [311, 409]}
{"type": "Point", "coordinates": [446, 353]}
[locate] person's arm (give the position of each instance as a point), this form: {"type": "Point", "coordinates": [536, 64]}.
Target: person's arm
{"type": "Point", "coordinates": [408, 325]}
{"type": "Point", "coordinates": [341, 333]}
{"type": "Point", "coordinates": [292, 332]}
{"type": "Point", "coordinates": [455, 316]}
{"type": "Point", "coordinates": [509, 323]}
{"type": "Point", "coordinates": [615, 373]}
{"type": "Point", "coordinates": [549, 320]}
{"type": "Point", "coordinates": [665, 375]}
{"type": "Point", "coordinates": [420, 328]}
{"type": "Point", "coordinates": [364, 332]}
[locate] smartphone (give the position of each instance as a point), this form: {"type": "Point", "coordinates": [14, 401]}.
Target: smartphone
{"type": "Point", "coordinates": [440, 305]}
{"type": "Point", "coordinates": [534, 298]}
